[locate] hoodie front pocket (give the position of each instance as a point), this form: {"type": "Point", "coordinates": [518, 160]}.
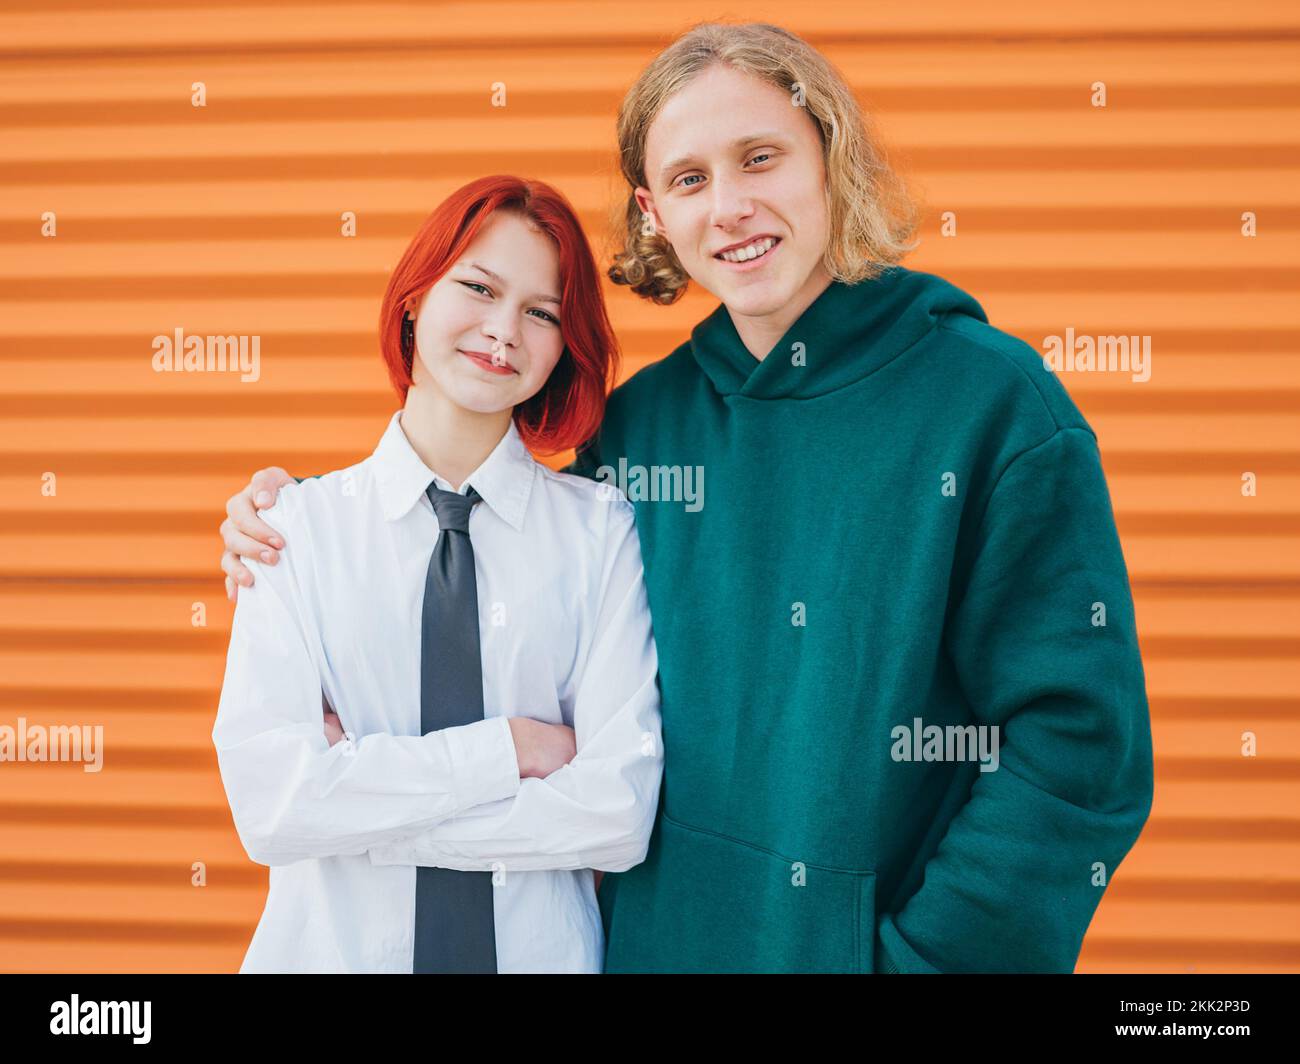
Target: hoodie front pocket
{"type": "Point", "coordinates": [705, 902]}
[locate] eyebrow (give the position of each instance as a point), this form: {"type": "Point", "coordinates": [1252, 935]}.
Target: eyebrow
{"type": "Point", "coordinates": [742, 142]}
{"type": "Point", "coordinates": [501, 281]}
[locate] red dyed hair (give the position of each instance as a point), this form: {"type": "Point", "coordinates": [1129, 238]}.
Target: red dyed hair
{"type": "Point", "coordinates": [568, 408]}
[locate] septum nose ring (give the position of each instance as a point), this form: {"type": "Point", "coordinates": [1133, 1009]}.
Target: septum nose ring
{"type": "Point", "coordinates": [498, 353]}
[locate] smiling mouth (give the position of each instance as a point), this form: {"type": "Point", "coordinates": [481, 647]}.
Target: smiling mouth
{"type": "Point", "coordinates": [751, 252]}
{"type": "Point", "coordinates": [485, 361]}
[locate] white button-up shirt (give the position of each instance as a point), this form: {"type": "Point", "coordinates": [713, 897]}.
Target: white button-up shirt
{"type": "Point", "coordinates": [565, 637]}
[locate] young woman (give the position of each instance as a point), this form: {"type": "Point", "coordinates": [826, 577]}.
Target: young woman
{"type": "Point", "coordinates": [904, 709]}
{"type": "Point", "coordinates": [474, 624]}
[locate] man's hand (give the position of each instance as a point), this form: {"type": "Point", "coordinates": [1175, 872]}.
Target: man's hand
{"type": "Point", "coordinates": [246, 534]}
{"type": "Point", "coordinates": [541, 748]}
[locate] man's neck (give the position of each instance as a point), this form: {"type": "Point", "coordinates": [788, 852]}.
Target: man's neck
{"type": "Point", "coordinates": [760, 333]}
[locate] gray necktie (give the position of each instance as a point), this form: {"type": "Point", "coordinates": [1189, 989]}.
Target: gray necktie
{"type": "Point", "coordinates": [455, 930]}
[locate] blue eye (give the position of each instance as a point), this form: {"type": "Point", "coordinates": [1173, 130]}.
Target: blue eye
{"type": "Point", "coordinates": [474, 284]}
{"type": "Point", "coordinates": [549, 317]}
{"type": "Point", "coordinates": [682, 182]}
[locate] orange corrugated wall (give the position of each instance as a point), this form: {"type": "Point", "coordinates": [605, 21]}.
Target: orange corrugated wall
{"type": "Point", "coordinates": [226, 219]}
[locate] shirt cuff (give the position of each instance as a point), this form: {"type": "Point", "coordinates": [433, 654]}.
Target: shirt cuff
{"type": "Point", "coordinates": [483, 762]}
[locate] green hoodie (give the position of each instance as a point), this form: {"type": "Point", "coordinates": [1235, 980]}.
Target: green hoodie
{"type": "Point", "coordinates": [906, 531]}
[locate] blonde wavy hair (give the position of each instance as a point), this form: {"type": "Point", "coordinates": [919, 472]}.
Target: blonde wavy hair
{"type": "Point", "coordinates": [872, 216]}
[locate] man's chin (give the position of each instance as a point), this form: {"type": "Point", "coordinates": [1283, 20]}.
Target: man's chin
{"type": "Point", "coordinates": [754, 298]}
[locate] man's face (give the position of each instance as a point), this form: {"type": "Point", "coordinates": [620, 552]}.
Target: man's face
{"type": "Point", "coordinates": [730, 159]}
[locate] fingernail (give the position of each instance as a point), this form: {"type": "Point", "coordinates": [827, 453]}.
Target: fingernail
{"type": "Point", "coordinates": [263, 498]}
{"type": "Point", "coordinates": [266, 556]}
{"type": "Point", "coordinates": [277, 543]}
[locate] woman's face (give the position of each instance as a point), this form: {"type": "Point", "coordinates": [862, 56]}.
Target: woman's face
{"type": "Point", "coordinates": [490, 342]}
{"type": "Point", "coordinates": [729, 159]}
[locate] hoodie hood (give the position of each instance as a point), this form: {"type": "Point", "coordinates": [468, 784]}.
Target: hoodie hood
{"type": "Point", "coordinates": [847, 333]}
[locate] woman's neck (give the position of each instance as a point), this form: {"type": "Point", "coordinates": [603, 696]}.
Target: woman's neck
{"type": "Point", "coordinates": [449, 439]}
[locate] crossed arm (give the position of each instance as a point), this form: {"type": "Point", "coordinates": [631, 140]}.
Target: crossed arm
{"type": "Point", "coordinates": [499, 792]}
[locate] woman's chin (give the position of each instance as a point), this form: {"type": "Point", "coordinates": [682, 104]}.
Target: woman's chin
{"type": "Point", "coordinates": [483, 397]}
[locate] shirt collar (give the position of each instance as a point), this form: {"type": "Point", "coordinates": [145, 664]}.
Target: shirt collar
{"type": "Point", "coordinates": [504, 480]}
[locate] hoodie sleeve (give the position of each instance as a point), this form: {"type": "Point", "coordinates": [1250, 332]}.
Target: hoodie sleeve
{"type": "Point", "coordinates": [1045, 646]}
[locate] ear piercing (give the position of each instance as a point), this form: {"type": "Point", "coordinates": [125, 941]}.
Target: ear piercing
{"type": "Point", "coordinates": [408, 335]}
